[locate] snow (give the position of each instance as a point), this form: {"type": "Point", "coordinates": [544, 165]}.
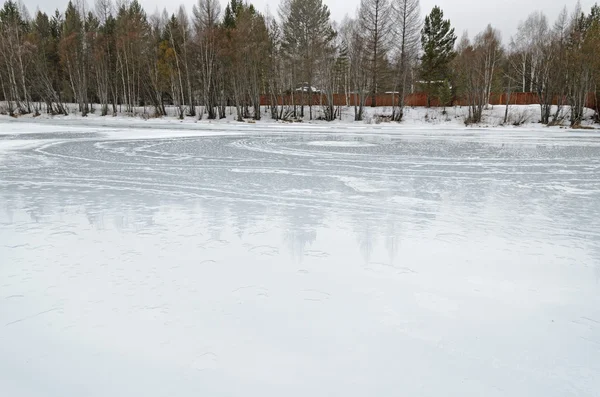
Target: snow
{"type": "Point", "coordinates": [340, 143]}
{"type": "Point", "coordinates": [161, 258]}
{"type": "Point", "coordinates": [414, 117]}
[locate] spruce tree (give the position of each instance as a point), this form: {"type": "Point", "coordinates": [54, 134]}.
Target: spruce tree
{"type": "Point", "coordinates": [231, 13]}
{"type": "Point", "coordinates": [437, 39]}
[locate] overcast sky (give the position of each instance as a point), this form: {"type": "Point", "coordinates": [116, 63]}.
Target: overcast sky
{"type": "Point", "coordinates": [471, 15]}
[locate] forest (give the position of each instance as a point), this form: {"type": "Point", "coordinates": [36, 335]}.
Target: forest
{"type": "Point", "coordinates": [111, 58]}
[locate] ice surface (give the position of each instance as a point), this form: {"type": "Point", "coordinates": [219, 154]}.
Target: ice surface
{"type": "Point", "coordinates": [298, 261]}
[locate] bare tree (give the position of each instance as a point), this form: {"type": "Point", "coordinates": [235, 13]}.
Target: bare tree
{"type": "Point", "coordinates": [103, 54]}
{"type": "Point", "coordinates": [332, 72]}
{"type": "Point", "coordinates": [16, 55]}
{"type": "Point", "coordinates": [489, 43]}
{"type": "Point", "coordinates": [406, 28]}
{"type": "Point", "coordinates": [245, 57]}
{"type": "Point", "coordinates": [176, 65]}
{"type": "Point", "coordinates": [358, 75]}
{"type": "Point", "coordinates": [376, 25]}
{"type": "Point", "coordinates": [160, 66]}
{"type": "Point", "coordinates": [276, 75]}
{"type": "Point", "coordinates": [206, 18]}
{"type": "Point", "coordinates": [550, 78]}
{"type": "Point", "coordinates": [184, 34]}
{"type": "Point", "coordinates": [511, 78]}
{"type": "Point", "coordinates": [529, 44]}
{"type": "Point", "coordinates": [477, 65]}
{"type": "Point", "coordinates": [593, 42]}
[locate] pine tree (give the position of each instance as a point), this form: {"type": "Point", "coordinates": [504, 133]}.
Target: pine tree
{"type": "Point", "coordinates": [437, 39]}
{"type": "Point", "coordinates": [73, 55]}
{"type": "Point", "coordinates": [232, 12]}
{"type": "Point", "coordinates": [445, 94]}
{"type": "Point", "coordinates": [133, 38]}
{"type": "Point", "coordinates": [45, 38]}
{"type": "Point", "coordinates": [245, 56]}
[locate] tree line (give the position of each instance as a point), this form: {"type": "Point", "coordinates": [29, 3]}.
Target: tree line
{"type": "Point", "coordinates": [114, 57]}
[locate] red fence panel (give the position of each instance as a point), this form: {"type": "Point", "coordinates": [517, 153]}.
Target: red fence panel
{"type": "Point", "coordinates": [416, 99]}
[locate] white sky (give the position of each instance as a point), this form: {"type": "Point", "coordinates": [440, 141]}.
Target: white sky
{"type": "Point", "coordinates": [471, 15]}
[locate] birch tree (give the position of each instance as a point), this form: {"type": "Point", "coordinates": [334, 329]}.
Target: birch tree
{"type": "Point", "coordinates": [358, 75]}
{"type": "Point", "coordinates": [206, 18]}
{"type": "Point", "coordinates": [185, 37]}
{"type": "Point", "coordinates": [476, 67]}
{"type": "Point", "coordinates": [406, 29]}
{"type": "Point", "coordinates": [16, 56]}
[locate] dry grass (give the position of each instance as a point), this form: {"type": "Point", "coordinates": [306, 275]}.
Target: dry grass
{"type": "Point", "coordinates": [583, 127]}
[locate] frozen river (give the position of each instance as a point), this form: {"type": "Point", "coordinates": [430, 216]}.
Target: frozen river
{"type": "Point", "coordinates": [288, 261]}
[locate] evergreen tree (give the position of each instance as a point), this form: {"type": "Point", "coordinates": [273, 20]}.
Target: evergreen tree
{"type": "Point", "coordinates": [437, 39]}
{"type": "Point", "coordinates": [73, 55]}
{"type": "Point", "coordinates": [244, 56]}
{"type": "Point", "coordinates": [445, 94]}
{"type": "Point", "coordinates": [232, 12]}
{"type": "Point", "coordinates": [307, 35]}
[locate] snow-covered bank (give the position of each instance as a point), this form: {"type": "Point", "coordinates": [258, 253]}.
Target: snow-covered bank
{"type": "Point", "coordinates": [423, 118]}
{"type": "Point", "coordinates": [23, 131]}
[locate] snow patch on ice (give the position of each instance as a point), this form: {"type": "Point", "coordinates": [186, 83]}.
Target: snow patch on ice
{"type": "Point", "coordinates": [341, 144]}
{"type": "Point", "coordinates": [358, 184]}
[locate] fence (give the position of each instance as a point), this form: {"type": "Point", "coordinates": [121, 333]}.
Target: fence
{"type": "Point", "coordinates": [415, 99]}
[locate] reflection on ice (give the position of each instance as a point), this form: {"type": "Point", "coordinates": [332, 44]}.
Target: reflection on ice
{"type": "Point", "coordinates": [300, 263]}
